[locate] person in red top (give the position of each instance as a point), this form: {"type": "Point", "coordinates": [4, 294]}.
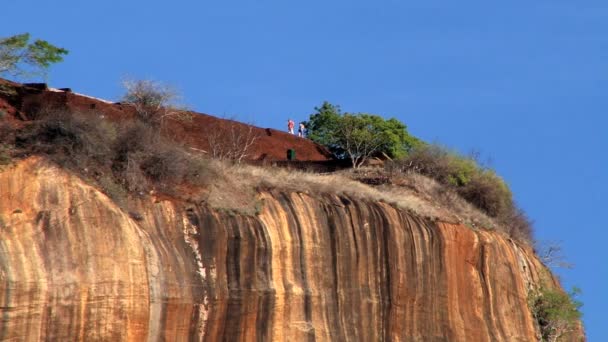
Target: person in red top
{"type": "Point", "coordinates": [290, 125]}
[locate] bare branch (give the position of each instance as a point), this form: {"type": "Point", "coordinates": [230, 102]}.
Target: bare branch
{"type": "Point", "coordinates": [231, 143]}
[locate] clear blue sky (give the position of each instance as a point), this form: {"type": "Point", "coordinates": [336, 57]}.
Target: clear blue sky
{"type": "Point", "coordinates": [524, 82]}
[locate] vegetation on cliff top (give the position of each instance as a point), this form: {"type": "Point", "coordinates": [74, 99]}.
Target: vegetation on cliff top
{"type": "Point", "coordinates": [135, 157]}
{"type": "Point", "coordinates": [361, 136]}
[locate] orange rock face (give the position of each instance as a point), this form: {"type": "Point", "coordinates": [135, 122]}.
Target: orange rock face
{"type": "Point", "coordinates": [74, 266]}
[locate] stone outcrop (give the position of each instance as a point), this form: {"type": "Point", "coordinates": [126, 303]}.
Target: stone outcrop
{"type": "Point", "coordinates": [74, 266]}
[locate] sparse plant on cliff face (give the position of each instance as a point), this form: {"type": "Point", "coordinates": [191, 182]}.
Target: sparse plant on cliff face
{"type": "Point", "coordinates": [154, 102]}
{"type": "Point", "coordinates": [551, 254]}
{"type": "Point", "coordinates": [557, 313]}
{"type": "Point", "coordinates": [19, 57]}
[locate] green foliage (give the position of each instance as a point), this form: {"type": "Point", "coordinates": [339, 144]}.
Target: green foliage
{"type": "Point", "coordinates": [42, 53]}
{"type": "Point", "coordinates": [477, 184]}
{"type": "Point", "coordinates": [462, 170]}
{"type": "Point", "coordinates": [557, 313]}
{"type": "Point", "coordinates": [323, 124]}
{"type": "Point", "coordinates": [358, 136]}
{"type": "Point", "coordinates": [19, 57]}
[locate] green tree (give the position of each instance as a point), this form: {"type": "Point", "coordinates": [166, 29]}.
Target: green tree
{"type": "Point", "coordinates": [557, 313]}
{"type": "Point", "coordinates": [358, 136]}
{"type": "Point", "coordinates": [323, 124]}
{"type": "Point", "coordinates": [19, 57]}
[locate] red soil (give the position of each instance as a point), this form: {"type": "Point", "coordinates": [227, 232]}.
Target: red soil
{"type": "Point", "coordinates": [271, 144]}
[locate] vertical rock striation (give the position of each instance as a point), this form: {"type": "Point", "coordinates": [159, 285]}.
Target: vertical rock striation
{"type": "Point", "coordinates": [74, 266]}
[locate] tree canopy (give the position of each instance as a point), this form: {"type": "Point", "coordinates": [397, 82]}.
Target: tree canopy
{"type": "Point", "coordinates": [19, 57]}
{"type": "Point", "coordinates": [358, 136]}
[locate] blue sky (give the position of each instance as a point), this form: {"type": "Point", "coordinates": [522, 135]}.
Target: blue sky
{"type": "Point", "coordinates": [524, 82]}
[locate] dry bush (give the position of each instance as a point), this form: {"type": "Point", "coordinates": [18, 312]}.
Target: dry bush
{"type": "Point", "coordinates": [445, 198]}
{"type": "Point", "coordinates": [165, 165]}
{"type": "Point", "coordinates": [5, 155]}
{"type": "Point", "coordinates": [144, 160]}
{"type": "Point", "coordinates": [233, 142]}
{"type": "Point", "coordinates": [431, 161]}
{"type": "Point", "coordinates": [7, 133]}
{"type": "Point", "coordinates": [518, 225]}
{"type": "Point", "coordinates": [114, 190]}
{"type": "Point", "coordinates": [73, 140]}
{"type": "Point", "coordinates": [474, 183]}
{"type": "Point", "coordinates": [235, 190]}
{"type": "Point", "coordinates": [489, 193]}
{"type": "Point", "coordinates": [551, 254]}
{"type": "Point", "coordinates": [132, 156]}
{"type": "Point", "coordinates": [154, 102]}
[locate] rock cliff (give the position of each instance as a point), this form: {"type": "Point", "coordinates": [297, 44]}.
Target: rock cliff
{"type": "Point", "coordinates": [74, 266]}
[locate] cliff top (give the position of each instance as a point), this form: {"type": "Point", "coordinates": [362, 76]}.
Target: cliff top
{"type": "Point", "coordinates": [102, 142]}
{"type": "Point", "coordinates": [21, 102]}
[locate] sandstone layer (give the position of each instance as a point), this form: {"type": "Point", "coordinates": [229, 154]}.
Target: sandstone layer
{"type": "Point", "coordinates": [75, 266]}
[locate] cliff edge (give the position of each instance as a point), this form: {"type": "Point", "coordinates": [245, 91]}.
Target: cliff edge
{"type": "Point", "coordinates": [74, 266]}
{"type": "Point", "coordinates": [113, 229]}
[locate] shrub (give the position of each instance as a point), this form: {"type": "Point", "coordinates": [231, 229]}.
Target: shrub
{"type": "Point", "coordinates": [556, 313]}
{"type": "Point", "coordinates": [480, 186]}
{"type": "Point", "coordinates": [429, 160]}
{"type": "Point", "coordinates": [154, 102]}
{"type": "Point", "coordinates": [133, 137]}
{"type": "Point", "coordinates": [130, 158]}
{"type": "Point", "coordinates": [476, 184]}
{"type": "Point", "coordinates": [114, 190]}
{"type": "Point", "coordinates": [141, 155]}
{"type": "Point", "coordinates": [7, 133]}
{"type": "Point", "coordinates": [72, 140]}
{"type": "Point", "coordinates": [5, 157]}
{"type": "Point", "coordinates": [518, 225]}
{"type": "Point", "coordinates": [486, 191]}
{"type": "Point", "coordinates": [165, 165]}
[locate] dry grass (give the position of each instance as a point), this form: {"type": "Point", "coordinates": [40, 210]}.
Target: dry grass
{"type": "Point", "coordinates": [416, 193]}
{"type": "Point", "coordinates": [133, 160]}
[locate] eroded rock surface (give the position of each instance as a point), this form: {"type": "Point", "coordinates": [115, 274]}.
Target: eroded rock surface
{"type": "Point", "coordinates": [74, 266]}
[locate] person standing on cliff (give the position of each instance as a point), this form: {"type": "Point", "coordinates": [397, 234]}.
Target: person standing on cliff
{"type": "Point", "coordinates": [302, 130]}
{"type": "Point", "coordinates": [290, 125]}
